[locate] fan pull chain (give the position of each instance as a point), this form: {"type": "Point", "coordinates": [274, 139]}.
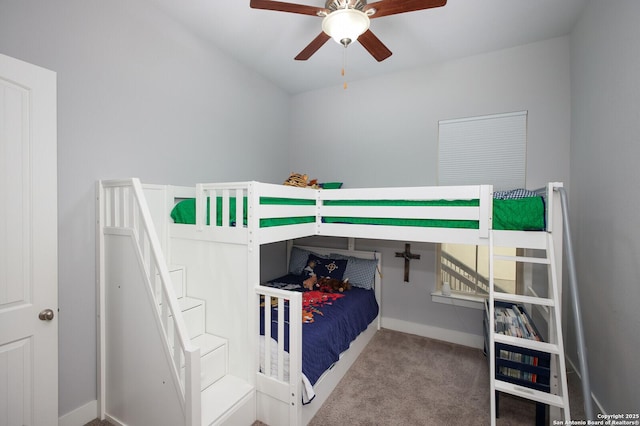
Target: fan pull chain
{"type": "Point", "coordinates": [344, 65]}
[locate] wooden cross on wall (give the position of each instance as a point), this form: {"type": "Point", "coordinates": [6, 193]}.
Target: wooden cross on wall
{"type": "Point", "coordinates": [407, 258]}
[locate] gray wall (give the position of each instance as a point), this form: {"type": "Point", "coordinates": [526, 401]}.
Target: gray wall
{"type": "Point", "coordinates": [384, 132]}
{"type": "Point", "coordinates": [605, 148]}
{"type": "Point", "coordinates": [137, 96]}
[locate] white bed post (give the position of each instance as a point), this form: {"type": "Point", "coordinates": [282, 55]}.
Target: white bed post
{"type": "Point", "coordinates": [486, 210]}
{"type": "Point", "coordinates": [201, 207]}
{"type": "Point", "coordinates": [554, 227]}
{"type": "Point", "coordinates": [351, 244]}
{"type": "Point", "coordinates": [295, 361]}
{"type": "Point", "coordinates": [253, 273]}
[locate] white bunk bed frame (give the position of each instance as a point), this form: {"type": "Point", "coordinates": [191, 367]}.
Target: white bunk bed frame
{"type": "Point", "coordinates": [226, 261]}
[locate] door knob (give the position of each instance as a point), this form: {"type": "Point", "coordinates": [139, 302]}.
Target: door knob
{"type": "Point", "coordinates": [46, 315]}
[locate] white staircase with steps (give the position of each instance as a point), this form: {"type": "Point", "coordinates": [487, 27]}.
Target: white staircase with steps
{"type": "Point", "coordinates": [224, 398]}
{"type": "Point", "coordinates": [158, 363]}
{"type": "Point", "coordinates": [555, 346]}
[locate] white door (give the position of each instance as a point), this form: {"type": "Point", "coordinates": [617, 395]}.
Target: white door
{"type": "Point", "coordinates": [28, 245]}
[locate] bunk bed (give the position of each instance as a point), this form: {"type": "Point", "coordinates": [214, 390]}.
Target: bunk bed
{"type": "Point", "coordinates": [331, 331]}
{"type": "Point", "coordinates": [217, 231]}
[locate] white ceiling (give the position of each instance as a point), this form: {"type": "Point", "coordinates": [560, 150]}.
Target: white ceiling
{"type": "Point", "coordinates": [267, 41]}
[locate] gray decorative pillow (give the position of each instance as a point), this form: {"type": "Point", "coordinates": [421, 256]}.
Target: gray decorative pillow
{"type": "Point", "coordinates": [361, 272]}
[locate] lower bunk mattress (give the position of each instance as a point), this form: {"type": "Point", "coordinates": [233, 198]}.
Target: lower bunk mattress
{"type": "Point", "coordinates": [331, 321]}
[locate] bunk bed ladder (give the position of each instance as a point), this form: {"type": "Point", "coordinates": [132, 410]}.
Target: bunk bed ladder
{"type": "Point", "coordinates": [555, 346]}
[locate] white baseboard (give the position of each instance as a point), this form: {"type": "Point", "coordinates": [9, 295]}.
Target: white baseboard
{"type": "Point", "coordinates": [457, 337]}
{"type": "Point", "coordinates": [81, 415]}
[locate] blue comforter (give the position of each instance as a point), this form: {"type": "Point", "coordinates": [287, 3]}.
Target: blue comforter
{"type": "Point", "coordinates": [334, 325]}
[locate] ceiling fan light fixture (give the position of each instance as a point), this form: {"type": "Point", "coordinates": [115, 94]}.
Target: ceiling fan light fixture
{"type": "Point", "coordinates": [345, 25]}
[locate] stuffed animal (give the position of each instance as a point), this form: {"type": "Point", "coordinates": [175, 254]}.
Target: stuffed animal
{"type": "Point", "coordinates": [310, 282]}
{"type": "Point", "coordinates": [302, 181]}
{"type": "Point", "coordinates": [297, 179]}
{"type": "Point", "coordinates": [331, 285]}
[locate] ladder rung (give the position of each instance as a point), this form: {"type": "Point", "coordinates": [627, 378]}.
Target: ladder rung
{"type": "Point", "coordinates": [519, 298]}
{"type": "Point", "coordinates": [526, 343]}
{"type": "Point", "coordinates": [523, 259]}
{"type": "Point", "coordinates": [528, 393]}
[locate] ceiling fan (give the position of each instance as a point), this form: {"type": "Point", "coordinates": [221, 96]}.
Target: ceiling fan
{"type": "Point", "coordinates": [348, 20]}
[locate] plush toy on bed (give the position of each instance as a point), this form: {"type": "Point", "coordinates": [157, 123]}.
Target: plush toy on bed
{"type": "Point", "coordinates": [313, 183]}
{"type": "Point", "coordinates": [311, 279]}
{"type": "Point", "coordinates": [331, 285]}
{"type": "Point", "coordinates": [296, 179]}
{"type": "Point", "coordinates": [302, 181]}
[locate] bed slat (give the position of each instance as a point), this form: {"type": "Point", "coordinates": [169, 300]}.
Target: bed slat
{"type": "Point", "coordinates": [406, 212]}
{"type": "Point", "coordinates": [281, 325]}
{"type": "Point", "coordinates": [267, 335]}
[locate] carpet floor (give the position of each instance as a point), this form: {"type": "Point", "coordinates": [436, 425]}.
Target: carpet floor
{"type": "Point", "coordinates": [403, 379]}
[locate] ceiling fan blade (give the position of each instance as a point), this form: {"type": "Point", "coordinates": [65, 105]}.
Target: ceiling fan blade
{"type": "Point", "coordinates": [393, 7]}
{"type": "Point", "coordinates": [287, 7]}
{"type": "Point", "coordinates": [312, 47]}
{"type": "Point", "coordinates": [378, 50]}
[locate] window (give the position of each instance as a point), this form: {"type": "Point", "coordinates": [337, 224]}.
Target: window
{"type": "Point", "coordinates": [466, 269]}
{"type": "Point", "coordinates": [489, 149]}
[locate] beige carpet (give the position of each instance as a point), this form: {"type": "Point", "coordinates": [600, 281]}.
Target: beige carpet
{"type": "Point", "coordinates": [402, 379]}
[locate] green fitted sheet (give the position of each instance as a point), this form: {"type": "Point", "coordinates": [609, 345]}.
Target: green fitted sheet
{"type": "Point", "coordinates": [185, 211]}
{"type": "Point", "coordinates": [525, 214]}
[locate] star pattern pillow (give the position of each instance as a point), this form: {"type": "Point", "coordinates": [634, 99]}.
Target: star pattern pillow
{"type": "Point", "coordinates": [329, 268]}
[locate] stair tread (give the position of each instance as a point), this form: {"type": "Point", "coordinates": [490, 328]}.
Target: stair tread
{"type": "Point", "coordinates": [221, 396]}
{"type": "Point", "coordinates": [187, 303]}
{"type": "Point", "coordinates": [173, 267]}
{"type": "Point", "coordinates": [208, 343]}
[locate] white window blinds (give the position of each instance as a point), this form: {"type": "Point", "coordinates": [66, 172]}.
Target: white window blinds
{"type": "Point", "coordinates": [489, 149]}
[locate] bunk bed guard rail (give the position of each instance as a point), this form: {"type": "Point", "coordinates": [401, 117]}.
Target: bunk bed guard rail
{"type": "Point", "coordinates": [404, 203]}
{"type": "Point", "coordinates": [279, 210]}
{"type": "Point", "coordinates": [279, 370]}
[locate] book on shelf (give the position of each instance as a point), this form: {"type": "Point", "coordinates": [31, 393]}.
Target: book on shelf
{"type": "Point", "coordinates": [513, 321]}
{"type": "Point", "coordinates": [520, 358]}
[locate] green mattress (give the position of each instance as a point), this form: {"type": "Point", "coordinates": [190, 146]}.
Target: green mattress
{"type": "Point", "coordinates": [185, 211]}
{"type": "Point", "coordinates": [524, 214]}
